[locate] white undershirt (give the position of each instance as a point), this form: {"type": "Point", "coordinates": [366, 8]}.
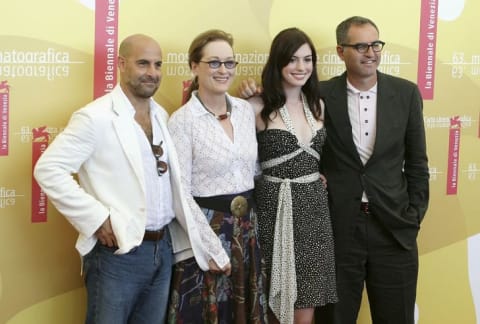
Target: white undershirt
{"type": "Point", "coordinates": [158, 188]}
{"type": "Point", "coordinates": [362, 111]}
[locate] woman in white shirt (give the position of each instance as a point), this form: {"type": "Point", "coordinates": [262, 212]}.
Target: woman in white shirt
{"type": "Point", "coordinates": [214, 134]}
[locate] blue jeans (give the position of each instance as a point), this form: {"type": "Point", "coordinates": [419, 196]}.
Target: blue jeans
{"type": "Point", "coordinates": [128, 288]}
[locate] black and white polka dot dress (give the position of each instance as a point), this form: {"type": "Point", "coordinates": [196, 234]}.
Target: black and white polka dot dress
{"type": "Point", "coordinates": [312, 232]}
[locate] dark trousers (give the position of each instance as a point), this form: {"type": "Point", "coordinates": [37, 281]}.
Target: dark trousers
{"type": "Point", "coordinates": [373, 259]}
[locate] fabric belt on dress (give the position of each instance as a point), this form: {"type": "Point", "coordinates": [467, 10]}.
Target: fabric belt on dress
{"type": "Point", "coordinates": [283, 286]}
{"type": "Point", "coordinates": [364, 207]}
{"type": "Point", "coordinates": [154, 235]}
{"type": "Point", "coordinates": [236, 204]}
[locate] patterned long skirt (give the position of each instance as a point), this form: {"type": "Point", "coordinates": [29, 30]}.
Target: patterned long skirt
{"type": "Point", "coordinates": [205, 297]}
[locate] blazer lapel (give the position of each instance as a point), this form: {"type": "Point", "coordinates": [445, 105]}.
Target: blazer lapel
{"type": "Point", "coordinates": [337, 110]}
{"type": "Point", "coordinates": [124, 128]}
{"type": "Point", "coordinates": [385, 115]}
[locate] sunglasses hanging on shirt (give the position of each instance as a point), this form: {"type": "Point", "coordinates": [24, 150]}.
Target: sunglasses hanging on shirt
{"type": "Point", "coordinates": [162, 166]}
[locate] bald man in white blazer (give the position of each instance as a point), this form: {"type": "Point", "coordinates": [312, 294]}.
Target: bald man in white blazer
{"type": "Point", "coordinates": [128, 205]}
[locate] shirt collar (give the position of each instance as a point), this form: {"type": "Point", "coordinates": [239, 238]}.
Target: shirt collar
{"type": "Point", "coordinates": [129, 107]}
{"type": "Point", "coordinates": [354, 90]}
{"type": "Point", "coordinates": [197, 107]}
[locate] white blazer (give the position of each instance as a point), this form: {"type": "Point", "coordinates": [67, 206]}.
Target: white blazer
{"type": "Point", "coordinates": [100, 145]}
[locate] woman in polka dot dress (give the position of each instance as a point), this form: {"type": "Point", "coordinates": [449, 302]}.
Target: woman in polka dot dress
{"type": "Point", "coordinates": [294, 224]}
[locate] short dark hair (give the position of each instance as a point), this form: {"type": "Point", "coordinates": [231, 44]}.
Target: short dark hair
{"type": "Point", "coordinates": [344, 27]}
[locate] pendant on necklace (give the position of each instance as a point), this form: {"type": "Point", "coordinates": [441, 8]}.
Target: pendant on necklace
{"type": "Point", "coordinates": [222, 116]}
{"type": "Point", "coordinates": [218, 117]}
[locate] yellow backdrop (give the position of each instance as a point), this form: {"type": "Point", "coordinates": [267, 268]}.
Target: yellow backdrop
{"type": "Point", "coordinates": [46, 72]}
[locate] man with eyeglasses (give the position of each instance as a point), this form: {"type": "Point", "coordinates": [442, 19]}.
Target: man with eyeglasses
{"type": "Point", "coordinates": [128, 207]}
{"type": "Point", "coordinates": [375, 163]}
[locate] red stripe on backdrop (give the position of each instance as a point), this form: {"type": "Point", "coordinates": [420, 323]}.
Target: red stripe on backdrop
{"type": "Point", "coordinates": [453, 155]}
{"type": "Point", "coordinates": [4, 117]}
{"type": "Point", "coordinates": [39, 198]}
{"type": "Point", "coordinates": [427, 48]}
{"type": "Point", "coordinates": [106, 44]}
{"type": "Point", "coordinates": [186, 86]}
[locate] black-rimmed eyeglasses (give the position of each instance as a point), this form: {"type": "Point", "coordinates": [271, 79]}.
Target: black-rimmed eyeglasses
{"type": "Point", "coordinates": [362, 48]}
{"type": "Point", "coordinates": [215, 64]}
{"type": "Point", "coordinates": [162, 166]}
